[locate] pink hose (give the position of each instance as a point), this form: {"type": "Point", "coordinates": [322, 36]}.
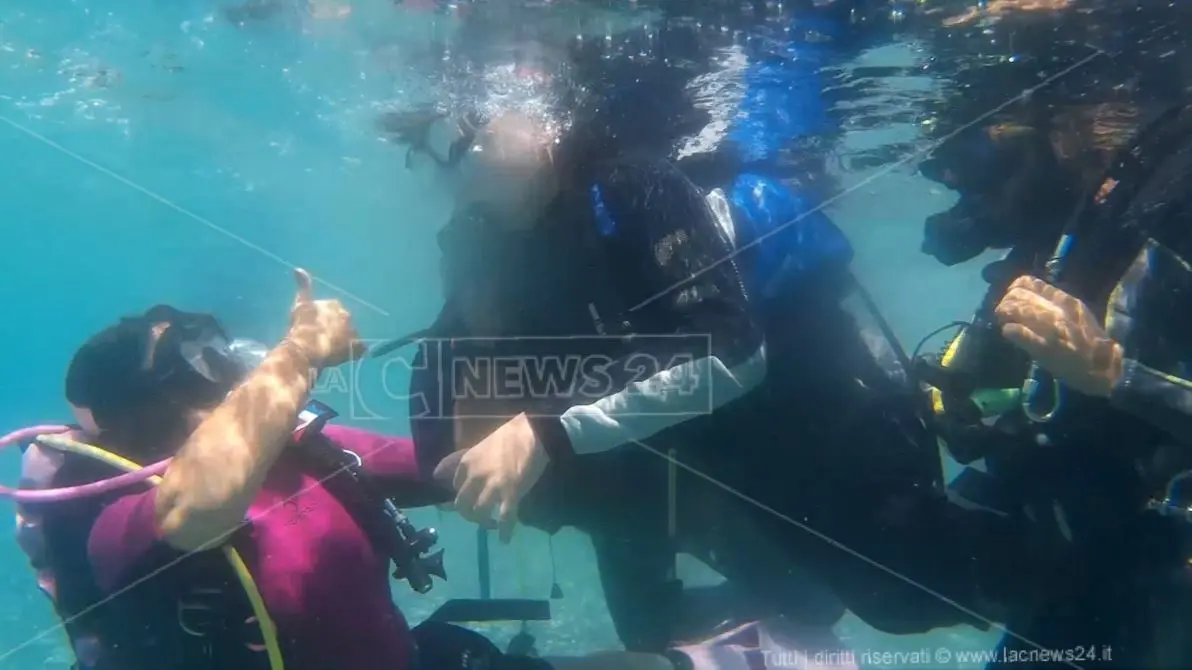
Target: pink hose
{"type": "Point", "coordinates": [25, 496]}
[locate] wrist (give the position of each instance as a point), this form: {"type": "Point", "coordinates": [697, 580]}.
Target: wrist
{"type": "Point", "coordinates": [551, 437]}
{"type": "Point", "coordinates": [294, 344]}
{"type": "Point", "coordinates": [301, 359]}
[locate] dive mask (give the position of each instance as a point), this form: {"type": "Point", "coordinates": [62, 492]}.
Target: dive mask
{"type": "Point", "coordinates": [960, 233]}
{"type": "Point", "coordinates": [193, 353]}
{"type": "Point", "coordinates": [971, 161]}
{"type": "Point", "coordinates": [163, 355]}
{"type": "Point", "coordinates": [977, 166]}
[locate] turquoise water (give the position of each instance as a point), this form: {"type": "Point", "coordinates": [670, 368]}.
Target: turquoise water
{"type": "Point", "coordinates": [153, 153]}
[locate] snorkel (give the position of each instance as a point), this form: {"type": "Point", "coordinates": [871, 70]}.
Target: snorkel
{"type": "Point", "coordinates": [246, 354]}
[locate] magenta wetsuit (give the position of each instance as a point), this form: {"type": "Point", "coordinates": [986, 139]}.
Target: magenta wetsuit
{"type": "Point", "coordinates": [322, 581]}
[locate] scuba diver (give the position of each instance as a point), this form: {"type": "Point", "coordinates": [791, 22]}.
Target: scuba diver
{"type": "Point", "coordinates": [170, 575]}
{"type": "Point", "coordinates": [769, 375]}
{"type": "Point", "coordinates": [1091, 451]}
{"type": "Point", "coordinates": [506, 167]}
{"type": "Point", "coordinates": [204, 512]}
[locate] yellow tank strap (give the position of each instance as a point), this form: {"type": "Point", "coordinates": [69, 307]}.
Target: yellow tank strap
{"type": "Point", "coordinates": [268, 629]}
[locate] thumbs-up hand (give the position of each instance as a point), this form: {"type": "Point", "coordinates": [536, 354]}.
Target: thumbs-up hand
{"type": "Point", "coordinates": [322, 329]}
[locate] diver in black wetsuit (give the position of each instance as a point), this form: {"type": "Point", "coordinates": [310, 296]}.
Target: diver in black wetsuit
{"type": "Point", "coordinates": [544, 274]}
{"type": "Point", "coordinates": [831, 437]}
{"type": "Point", "coordinates": [1094, 452]}
{"type": "Point", "coordinates": [623, 262]}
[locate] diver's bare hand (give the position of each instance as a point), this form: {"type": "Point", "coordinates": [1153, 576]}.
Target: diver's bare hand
{"type": "Point", "coordinates": [496, 474]}
{"type": "Point", "coordinates": [1062, 334]}
{"type": "Point", "coordinates": [322, 329]}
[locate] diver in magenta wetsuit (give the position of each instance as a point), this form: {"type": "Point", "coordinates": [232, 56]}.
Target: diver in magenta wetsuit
{"type": "Point", "coordinates": [138, 575]}
{"type": "Point", "coordinates": [145, 578]}
{"type": "Point", "coordinates": [270, 539]}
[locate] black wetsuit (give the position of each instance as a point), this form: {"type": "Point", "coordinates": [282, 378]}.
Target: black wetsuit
{"type": "Point", "coordinates": [828, 437]}
{"type": "Point", "coordinates": [1091, 566]}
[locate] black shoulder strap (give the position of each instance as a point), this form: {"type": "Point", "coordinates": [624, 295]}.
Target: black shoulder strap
{"type": "Point", "coordinates": [387, 528]}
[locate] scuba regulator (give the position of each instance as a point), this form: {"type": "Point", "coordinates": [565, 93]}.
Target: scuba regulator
{"type": "Point", "coordinates": [975, 378]}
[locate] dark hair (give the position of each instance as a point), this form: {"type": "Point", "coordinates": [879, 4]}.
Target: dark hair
{"type": "Point", "coordinates": [137, 387]}
{"type": "Point", "coordinates": [630, 111]}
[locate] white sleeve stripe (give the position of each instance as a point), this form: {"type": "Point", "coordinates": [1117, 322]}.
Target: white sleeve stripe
{"type": "Point", "coordinates": [668, 398]}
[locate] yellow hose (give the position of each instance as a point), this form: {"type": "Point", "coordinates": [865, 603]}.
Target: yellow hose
{"type": "Point", "coordinates": [937, 397]}
{"type": "Point", "coordinates": [268, 628]}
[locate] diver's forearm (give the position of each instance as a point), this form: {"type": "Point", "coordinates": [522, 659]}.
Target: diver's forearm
{"type": "Point", "coordinates": [208, 487]}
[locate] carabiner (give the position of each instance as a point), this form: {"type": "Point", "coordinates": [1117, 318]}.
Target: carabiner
{"type": "Point", "coordinates": [1033, 388]}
